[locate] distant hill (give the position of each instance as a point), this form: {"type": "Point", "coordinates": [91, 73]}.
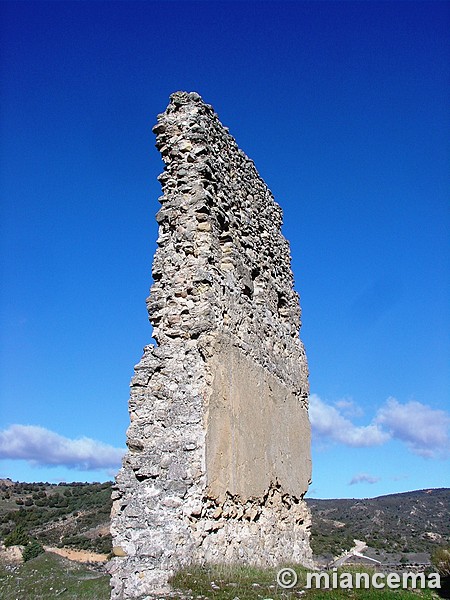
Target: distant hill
{"type": "Point", "coordinates": [76, 515]}
{"type": "Point", "coordinates": [416, 521]}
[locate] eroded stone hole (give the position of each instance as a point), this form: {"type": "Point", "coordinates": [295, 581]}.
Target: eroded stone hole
{"type": "Point", "coordinates": [256, 271]}
{"type": "Point", "coordinates": [225, 238]}
{"type": "Point", "coordinates": [202, 213]}
{"type": "Point", "coordinates": [223, 222]}
{"type": "Point", "coordinates": [282, 307]}
{"type": "Point", "coordinates": [248, 290]}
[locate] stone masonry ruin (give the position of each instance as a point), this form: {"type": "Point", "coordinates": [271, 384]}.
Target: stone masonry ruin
{"type": "Point", "coordinates": [218, 455]}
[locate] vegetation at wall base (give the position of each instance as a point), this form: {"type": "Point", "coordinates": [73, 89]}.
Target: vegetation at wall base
{"type": "Point", "coordinates": [225, 582]}
{"type": "Point", "coordinates": [441, 560]}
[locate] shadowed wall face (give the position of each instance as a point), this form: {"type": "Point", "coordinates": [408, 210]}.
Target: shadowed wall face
{"type": "Point", "coordinates": [219, 439]}
{"type": "Point", "coordinates": [257, 434]}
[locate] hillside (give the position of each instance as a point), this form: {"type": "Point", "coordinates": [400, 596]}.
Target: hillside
{"type": "Point", "coordinates": [72, 515]}
{"type": "Point", "coordinates": [76, 515]}
{"type": "Point", "coordinates": [410, 522]}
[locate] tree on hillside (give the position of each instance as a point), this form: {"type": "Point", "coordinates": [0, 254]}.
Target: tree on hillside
{"type": "Point", "coordinates": [33, 549]}
{"type": "Point", "coordinates": [17, 537]}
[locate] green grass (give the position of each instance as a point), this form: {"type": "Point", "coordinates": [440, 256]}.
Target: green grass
{"type": "Point", "coordinates": [49, 577]}
{"type": "Point", "coordinates": [222, 582]}
{"type": "Point", "coordinates": [247, 583]}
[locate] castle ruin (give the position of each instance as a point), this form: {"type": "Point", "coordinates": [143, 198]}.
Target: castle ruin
{"type": "Point", "coordinates": [218, 454]}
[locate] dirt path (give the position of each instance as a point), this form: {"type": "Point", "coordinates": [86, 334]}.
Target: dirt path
{"type": "Point", "coordinates": [359, 547]}
{"type": "Point", "coordinates": [78, 555]}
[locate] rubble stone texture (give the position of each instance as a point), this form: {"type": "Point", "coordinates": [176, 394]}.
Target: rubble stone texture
{"type": "Point", "coordinates": [218, 455]}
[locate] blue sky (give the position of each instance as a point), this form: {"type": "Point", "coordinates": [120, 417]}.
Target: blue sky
{"type": "Point", "coordinates": [343, 106]}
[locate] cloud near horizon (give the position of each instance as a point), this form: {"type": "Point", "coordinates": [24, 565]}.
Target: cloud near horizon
{"type": "Point", "coordinates": [364, 478]}
{"type": "Point", "coordinates": [423, 429]}
{"type": "Point", "coordinates": [42, 447]}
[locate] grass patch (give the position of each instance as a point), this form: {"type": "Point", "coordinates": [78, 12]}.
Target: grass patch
{"type": "Point", "coordinates": [49, 577]}
{"type": "Point", "coordinates": [224, 582]}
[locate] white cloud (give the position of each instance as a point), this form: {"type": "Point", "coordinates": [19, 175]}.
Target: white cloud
{"type": "Point", "coordinates": [363, 478]}
{"type": "Point", "coordinates": [328, 422]}
{"type": "Point", "coordinates": [40, 446]}
{"type": "Point", "coordinates": [349, 408]}
{"type": "Point", "coordinates": [424, 430]}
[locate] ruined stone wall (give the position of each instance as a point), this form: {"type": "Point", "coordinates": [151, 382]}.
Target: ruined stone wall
{"type": "Point", "coordinates": [219, 439]}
